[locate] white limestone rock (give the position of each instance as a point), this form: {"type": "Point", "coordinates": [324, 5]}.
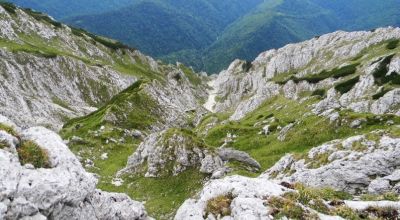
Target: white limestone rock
{"type": "Point", "coordinates": [379, 186]}
{"type": "Point", "coordinates": [246, 86]}
{"type": "Point", "coordinates": [158, 149]}
{"type": "Point", "coordinates": [228, 154]}
{"type": "Point", "coordinates": [352, 165]}
{"type": "Point", "coordinates": [64, 191]}
{"type": "Point", "coordinates": [248, 194]}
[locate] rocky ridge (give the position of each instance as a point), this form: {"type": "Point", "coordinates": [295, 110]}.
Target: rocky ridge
{"type": "Point", "coordinates": [52, 72]}
{"type": "Point", "coordinates": [245, 86]}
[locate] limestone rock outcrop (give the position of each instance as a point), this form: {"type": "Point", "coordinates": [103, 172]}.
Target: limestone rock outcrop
{"type": "Point", "coordinates": [244, 86]}
{"type": "Point", "coordinates": [359, 164]}
{"type": "Point", "coordinates": [63, 190]}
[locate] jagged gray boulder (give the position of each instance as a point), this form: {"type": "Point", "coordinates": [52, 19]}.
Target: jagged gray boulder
{"type": "Point", "coordinates": [356, 165]}
{"type": "Point", "coordinates": [173, 151]}
{"type": "Point", "coordinates": [247, 203]}
{"type": "Point", "coordinates": [62, 191]}
{"type": "Point", "coordinates": [228, 154]}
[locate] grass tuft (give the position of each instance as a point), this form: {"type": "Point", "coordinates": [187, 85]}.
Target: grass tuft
{"type": "Point", "coordinates": [380, 94]}
{"type": "Point", "coordinates": [220, 206]}
{"type": "Point", "coordinates": [30, 153]}
{"type": "Point", "coordinates": [392, 44]}
{"type": "Point", "coordinates": [347, 85]}
{"type": "Point", "coordinates": [319, 92]}
{"type": "Point", "coordinates": [3, 144]}
{"type": "Point", "coordinates": [282, 207]}
{"type": "Point", "coordinates": [8, 129]}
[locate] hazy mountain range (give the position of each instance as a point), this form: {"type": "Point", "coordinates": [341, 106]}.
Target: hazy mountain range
{"type": "Point", "coordinates": [209, 34]}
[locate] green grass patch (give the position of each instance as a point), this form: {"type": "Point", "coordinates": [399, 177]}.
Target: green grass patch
{"type": "Point", "coordinates": [390, 196]}
{"type": "Point", "coordinates": [319, 92]}
{"type": "Point", "coordinates": [8, 129]}
{"type": "Point", "coordinates": [28, 48]}
{"type": "Point", "coordinates": [60, 102]}
{"type": "Point", "coordinates": [346, 213]}
{"type": "Point", "coordinates": [283, 207]}
{"type": "Point", "coordinates": [315, 78]}
{"type": "Point", "coordinates": [346, 86]}
{"type": "Point", "coordinates": [192, 76]}
{"type": "Point", "coordinates": [130, 109]}
{"type": "Point", "coordinates": [381, 72]}
{"type": "Point", "coordinates": [392, 44]}
{"type": "Point", "coordinates": [307, 194]}
{"type": "Point", "coordinates": [380, 94]}
{"type": "Point", "coordinates": [30, 153]}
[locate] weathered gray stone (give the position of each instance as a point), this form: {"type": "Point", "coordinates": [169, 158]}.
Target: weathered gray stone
{"type": "Point", "coordinates": [64, 191]}
{"type": "Point", "coordinates": [347, 169]}
{"type": "Point", "coordinates": [228, 154]}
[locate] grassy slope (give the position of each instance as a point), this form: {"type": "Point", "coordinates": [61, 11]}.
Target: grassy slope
{"type": "Point", "coordinates": [133, 109]}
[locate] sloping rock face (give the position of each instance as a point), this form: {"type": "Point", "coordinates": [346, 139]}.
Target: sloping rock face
{"type": "Point", "coordinates": [179, 99]}
{"type": "Point", "coordinates": [52, 73]}
{"type": "Point", "coordinates": [359, 164]}
{"type": "Point", "coordinates": [64, 190]}
{"type": "Point", "coordinates": [244, 86]}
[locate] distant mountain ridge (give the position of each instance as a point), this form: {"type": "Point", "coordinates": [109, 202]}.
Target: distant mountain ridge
{"type": "Point", "coordinates": [209, 34]}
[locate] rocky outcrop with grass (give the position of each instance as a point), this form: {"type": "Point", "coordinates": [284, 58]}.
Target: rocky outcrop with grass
{"type": "Point", "coordinates": [42, 179]}
{"type": "Point", "coordinates": [238, 197]}
{"type": "Point", "coordinates": [51, 72]}
{"type": "Point", "coordinates": [158, 132]}
{"type": "Point", "coordinates": [359, 164]}
{"type": "Point", "coordinates": [175, 150]}
{"type": "Point", "coordinates": [356, 70]}
{"type": "Point", "coordinates": [355, 178]}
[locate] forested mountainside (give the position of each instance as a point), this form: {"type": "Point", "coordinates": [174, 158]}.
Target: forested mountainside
{"type": "Point", "coordinates": [209, 34]}
{"type": "Point", "coordinates": [307, 131]}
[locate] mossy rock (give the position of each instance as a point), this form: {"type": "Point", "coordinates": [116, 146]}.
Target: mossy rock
{"type": "Point", "coordinates": [220, 206]}
{"type": "Point", "coordinates": [283, 207]}
{"type": "Point", "coordinates": [8, 129]}
{"type": "Point", "coordinates": [30, 153]}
